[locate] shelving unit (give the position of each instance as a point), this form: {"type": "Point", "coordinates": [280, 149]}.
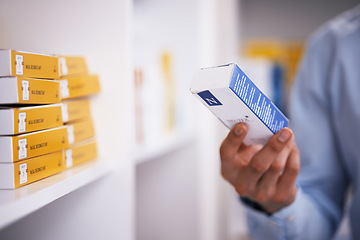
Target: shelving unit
{"type": "Point", "coordinates": [166, 160]}
{"type": "Point", "coordinates": [99, 196]}
{"type": "Point", "coordinates": [178, 181]}
{"type": "Point", "coordinates": [16, 204]}
{"type": "Point", "coordinates": [167, 145]}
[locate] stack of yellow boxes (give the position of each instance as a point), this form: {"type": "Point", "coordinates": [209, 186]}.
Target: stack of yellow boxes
{"type": "Point", "coordinates": [33, 137]}
{"type": "Point", "coordinates": [76, 86]}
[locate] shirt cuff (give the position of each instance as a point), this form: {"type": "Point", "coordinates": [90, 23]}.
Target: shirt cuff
{"type": "Point", "coordinates": [279, 225]}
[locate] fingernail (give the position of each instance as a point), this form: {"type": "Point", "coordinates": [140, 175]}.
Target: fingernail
{"type": "Point", "coordinates": [238, 131]}
{"type": "Point", "coordinates": [284, 135]}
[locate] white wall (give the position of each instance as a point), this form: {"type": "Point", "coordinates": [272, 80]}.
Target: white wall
{"type": "Point", "coordinates": [287, 19]}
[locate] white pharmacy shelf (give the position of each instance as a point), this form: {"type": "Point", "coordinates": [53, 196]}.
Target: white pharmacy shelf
{"type": "Point", "coordinates": [173, 142]}
{"type": "Point", "coordinates": [18, 203]}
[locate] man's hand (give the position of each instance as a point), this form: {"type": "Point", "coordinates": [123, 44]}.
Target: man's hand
{"type": "Point", "coordinates": [265, 174]}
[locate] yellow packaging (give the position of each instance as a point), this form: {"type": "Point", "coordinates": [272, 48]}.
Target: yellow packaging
{"type": "Point", "coordinates": [80, 130]}
{"type": "Point", "coordinates": [72, 65]}
{"type": "Point", "coordinates": [28, 119]}
{"type": "Point", "coordinates": [14, 175]}
{"type": "Point", "coordinates": [287, 53]}
{"type": "Point", "coordinates": [17, 63]}
{"type": "Point", "coordinates": [75, 109]}
{"type": "Point", "coordinates": [20, 147]}
{"type": "Point", "coordinates": [22, 90]}
{"type": "Point", "coordinates": [80, 153]}
{"type": "Point", "coordinates": [79, 86]}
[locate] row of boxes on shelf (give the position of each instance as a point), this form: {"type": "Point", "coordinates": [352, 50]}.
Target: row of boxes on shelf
{"type": "Point", "coordinates": [33, 65]}
{"type": "Point", "coordinates": [56, 136]}
{"type": "Point", "coordinates": [45, 118]}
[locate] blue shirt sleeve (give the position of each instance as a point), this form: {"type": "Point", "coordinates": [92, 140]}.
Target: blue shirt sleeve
{"type": "Point", "coordinates": [322, 182]}
{"type": "Point", "coordinates": [288, 223]}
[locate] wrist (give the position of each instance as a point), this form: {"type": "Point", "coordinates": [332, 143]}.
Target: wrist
{"type": "Point", "coordinates": [255, 205]}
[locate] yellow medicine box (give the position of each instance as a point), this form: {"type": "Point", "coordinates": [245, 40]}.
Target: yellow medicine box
{"type": "Point", "coordinates": [29, 119]}
{"type": "Point", "coordinates": [80, 130]}
{"type": "Point", "coordinates": [75, 109]}
{"type": "Point", "coordinates": [22, 90]}
{"type": "Point", "coordinates": [72, 65]}
{"type": "Point", "coordinates": [18, 63]}
{"type": "Point", "coordinates": [80, 153]}
{"type": "Point", "coordinates": [20, 147]}
{"type": "Point", "coordinates": [14, 175]}
{"type": "Point", "coordinates": [79, 86]}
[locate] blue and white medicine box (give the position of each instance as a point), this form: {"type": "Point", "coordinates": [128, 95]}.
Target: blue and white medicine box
{"type": "Point", "coordinates": [233, 98]}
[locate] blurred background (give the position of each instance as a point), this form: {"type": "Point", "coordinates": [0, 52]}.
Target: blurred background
{"type": "Point", "coordinates": [167, 182]}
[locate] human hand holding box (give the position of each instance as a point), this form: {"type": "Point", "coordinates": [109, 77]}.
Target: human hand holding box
{"type": "Point", "coordinates": [232, 97]}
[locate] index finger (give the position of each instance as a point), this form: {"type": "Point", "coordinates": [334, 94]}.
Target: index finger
{"type": "Point", "coordinates": [233, 141]}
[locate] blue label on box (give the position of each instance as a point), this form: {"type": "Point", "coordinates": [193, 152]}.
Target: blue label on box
{"type": "Point", "coordinates": [210, 99]}
{"type": "Point", "coordinates": [258, 103]}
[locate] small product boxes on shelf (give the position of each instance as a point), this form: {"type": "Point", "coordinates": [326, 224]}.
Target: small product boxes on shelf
{"type": "Point", "coordinates": [76, 82]}
{"type": "Point", "coordinates": [76, 88]}
{"type": "Point", "coordinates": [232, 97]}
{"type": "Point", "coordinates": [80, 153]}
{"type": "Point", "coordinates": [32, 138]}
{"type": "Point", "coordinates": [28, 119]}
{"type": "Point", "coordinates": [20, 147]}
{"type": "Point", "coordinates": [79, 86]}
{"type": "Point", "coordinates": [75, 109]}
{"type": "Point", "coordinates": [80, 130]}
{"type": "Point", "coordinates": [22, 90]}
{"type": "Point", "coordinates": [14, 175]}
{"type": "Point", "coordinates": [37, 125]}
{"type": "Point", "coordinates": [72, 65]}
{"type": "Point", "coordinates": [17, 63]}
